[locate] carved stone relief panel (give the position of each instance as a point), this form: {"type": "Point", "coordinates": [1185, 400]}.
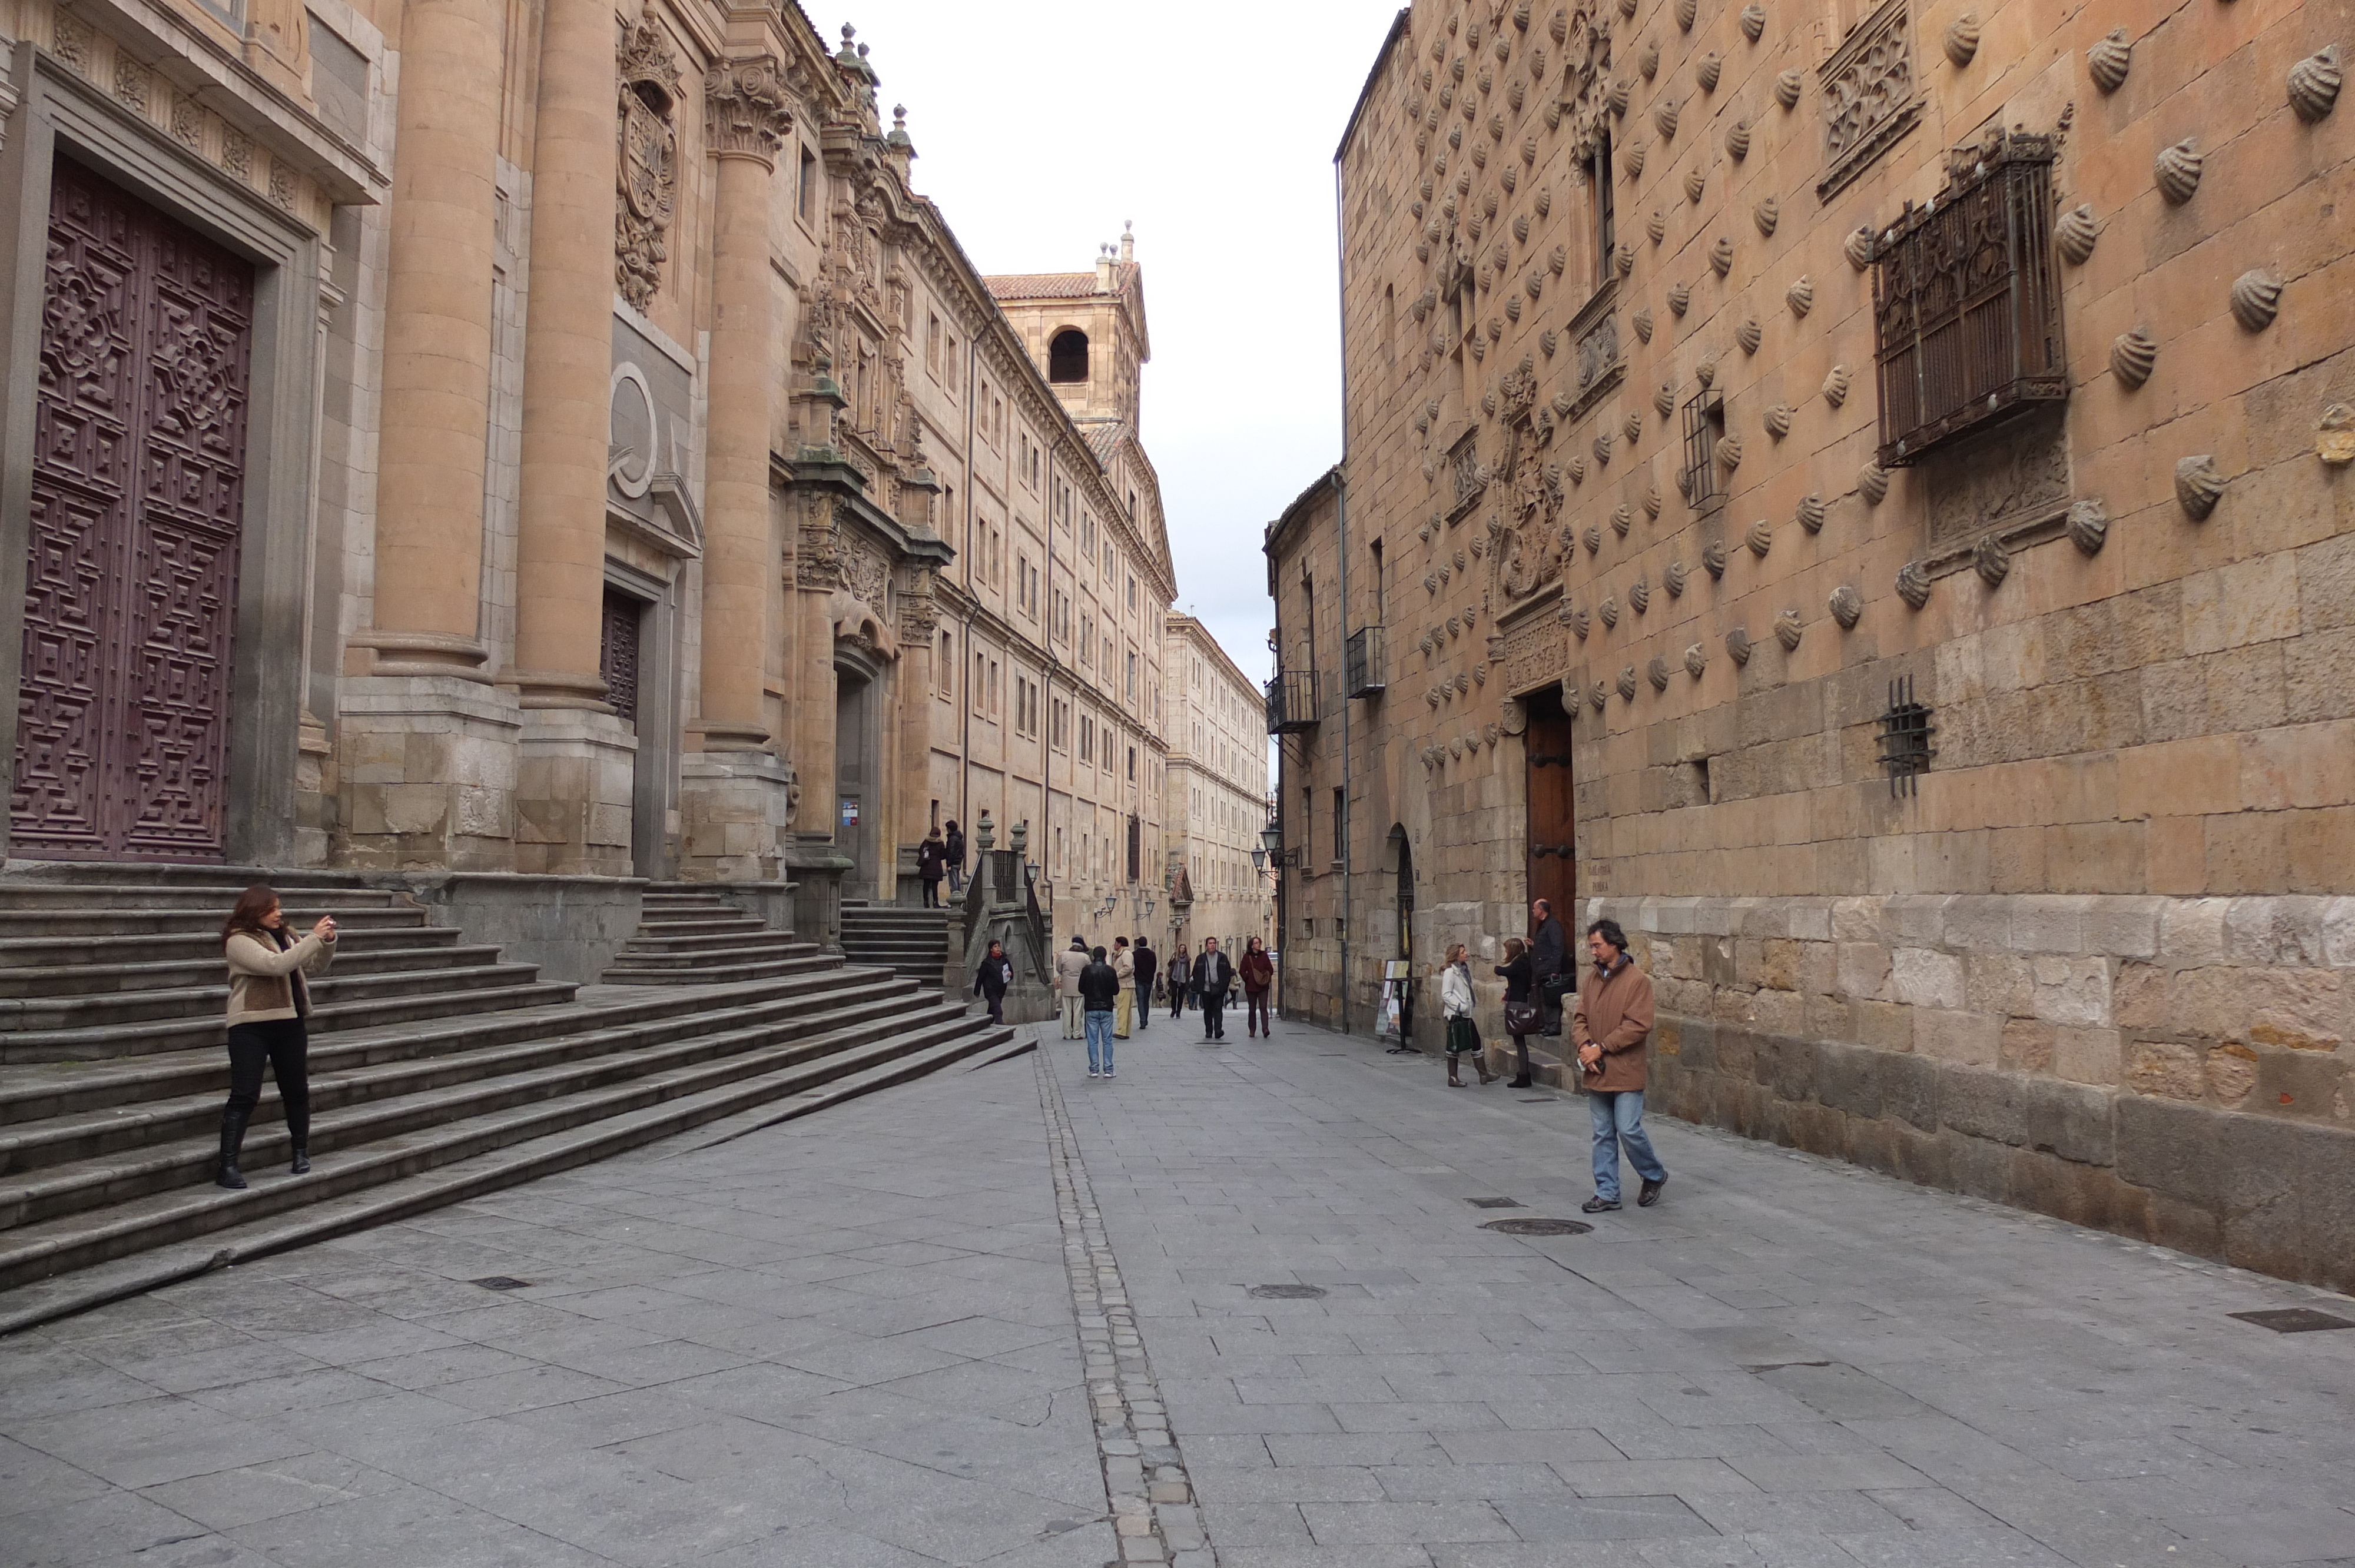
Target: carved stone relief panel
{"type": "Point", "coordinates": [1870, 95]}
{"type": "Point", "coordinates": [648, 164]}
{"type": "Point", "coordinates": [2022, 475]}
{"type": "Point", "coordinates": [1531, 655]}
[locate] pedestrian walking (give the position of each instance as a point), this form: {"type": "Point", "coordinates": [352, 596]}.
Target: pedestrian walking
{"type": "Point", "coordinates": [1068, 965]}
{"type": "Point", "coordinates": [1550, 959]}
{"type": "Point", "coordinates": [1214, 975]}
{"type": "Point", "coordinates": [955, 846]}
{"type": "Point", "coordinates": [1522, 1015]}
{"type": "Point", "coordinates": [1148, 966]}
{"type": "Point", "coordinates": [1259, 975]}
{"type": "Point", "coordinates": [932, 865]}
{"type": "Point", "coordinates": [1179, 980]}
{"type": "Point", "coordinates": [1123, 966]}
{"type": "Point", "coordinates": [269, 999]}
{"type": "Point", "coordinates": [992, 980]}
{"type": "Point", "coordinates": [1455, 1006]}
{"type": "Point", "coordinates": [1611, 1026]}
{"type": "Point", "coordinates": [1099, 994]}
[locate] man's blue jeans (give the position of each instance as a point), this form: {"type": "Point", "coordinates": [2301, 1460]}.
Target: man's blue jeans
{"type": "Point", "coordinates": [1099, 1042]}
{"type": "Point", "coordinates": [1619, 1123]}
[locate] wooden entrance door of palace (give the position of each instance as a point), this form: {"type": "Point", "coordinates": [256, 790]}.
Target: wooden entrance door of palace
{"type": "Point", "coordinates": [1552, 848]}
{"type": "Point", "coordinates": [132, 559]}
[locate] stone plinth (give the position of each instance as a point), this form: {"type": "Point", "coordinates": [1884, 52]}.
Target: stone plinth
{"type": "Point", "coordinates": [428, 770]}
{"type": "Point", "coordinates": [575, 775]}
{"type": "Point", "coordinates": [734, 808]}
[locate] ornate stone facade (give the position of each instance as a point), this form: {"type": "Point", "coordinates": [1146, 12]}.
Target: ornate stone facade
{"type": "Point", "coordinates": [2003, 847]}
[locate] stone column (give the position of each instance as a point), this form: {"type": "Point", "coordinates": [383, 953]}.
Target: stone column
{"type": "Point", "coordinates": [429, 760]}
{"type": "Point", "coordinates": [914, 680]}
{"type": "Point", "coordinates": [735, 791]}
{"type": "Point", "coordinates": [575, 773]}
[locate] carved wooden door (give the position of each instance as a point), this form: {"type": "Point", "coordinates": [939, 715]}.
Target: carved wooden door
{"type": "Point", "coordinates": [1553, 860]}
{"type": "Point", "coordinates": [618, 656]}
{"type": "Point", "coordinates": [132, 559]}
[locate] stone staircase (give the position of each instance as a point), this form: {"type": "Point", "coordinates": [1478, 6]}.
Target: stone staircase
{"type": "Point", "coordinates": [700, 939]}
{"type": "Point", "coordinates": [438, 1070]}
{"type": "Point", "coordinates": [910, 942]}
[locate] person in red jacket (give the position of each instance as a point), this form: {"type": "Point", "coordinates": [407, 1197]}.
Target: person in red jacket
{"type": "Point", "coordinates": [1259, 977]}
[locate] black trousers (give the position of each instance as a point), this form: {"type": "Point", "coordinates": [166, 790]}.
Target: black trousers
{"type": "Point", "coordinates": [1214, 1023]}
{"type": "Point", "coordinates": [1256, 1013]}
{"type": "Point", "coordinates": [997, 1000]}
{"type": "Point", "coordinates": [1521, 1051]}
{"type": "Point", "coordinates": [932, 892]}
{"type": "Point", "coordinates": [284, 1045]}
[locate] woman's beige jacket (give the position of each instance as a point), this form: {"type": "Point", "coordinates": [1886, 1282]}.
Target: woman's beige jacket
{"type": "Point", "coordinates": [261, 978]}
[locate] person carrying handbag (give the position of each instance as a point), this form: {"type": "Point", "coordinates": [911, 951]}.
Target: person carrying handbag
{"type": "Point", "coordinates": [1523, 1017]}
{"type": "Point", "coordinates": [1455, 1005]}
{"type": "Point", "coordinates": [269, 999]}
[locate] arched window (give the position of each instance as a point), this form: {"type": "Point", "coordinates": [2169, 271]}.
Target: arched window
{"type": "Point", "coordinates": [1066, 355]}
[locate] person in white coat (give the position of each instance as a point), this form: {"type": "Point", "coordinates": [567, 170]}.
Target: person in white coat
{"type": "Point", "coordinates": [1455, 1006]}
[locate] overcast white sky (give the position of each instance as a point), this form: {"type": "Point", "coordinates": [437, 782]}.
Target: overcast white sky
{"type": "Point", "coordinates": [1041, 125]}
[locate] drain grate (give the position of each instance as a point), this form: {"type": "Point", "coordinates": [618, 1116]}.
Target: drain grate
{"type": "Point", "coordinates": [501, 1282]}
{"type": "Point", "coordinates": [1494, 1203]}
{"type": "Point", "coordinates": [1539, 1099]}
{"type": "Point", "coordinates": [1537, 1227]}
{"type": "Point", "coordinates": [2293, 1320]}
{"type": "Point", "coordinates": [1287, 1292]}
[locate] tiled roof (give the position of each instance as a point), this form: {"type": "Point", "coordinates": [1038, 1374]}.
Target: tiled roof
{"type": "Point", "coordinates": [1052, 285]}
{"type": "Point", "coordinates": [1104, 441]}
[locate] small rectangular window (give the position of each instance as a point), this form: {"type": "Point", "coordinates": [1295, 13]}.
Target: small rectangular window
{"type": "Point", "coordinates": [806, 194]}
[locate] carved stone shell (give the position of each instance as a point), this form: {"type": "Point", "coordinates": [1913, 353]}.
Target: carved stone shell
{"type": "Point", "coordinates": [1593, 540]}
{"type": "Point", "coordinates": [1673, 579]}
{"type": "Point", "coordinates": [1609, 610]}
{"type": "Point", "coordinates": [1553, 113]}
{"type": "Point", "coordinates": [1512, 309]}
{"type": "Point", "coordinates": [1679, 298]}
{"type": "Point", "coordinates": [2177, 170]}
{"type": "Point", "coordinates": [1627, 10]}
{"type": "Point", "coordinates": [1640, 597]}
{"type": "Point", "coordinates": [1737, 646]}
{"type": "Point", "coordinates": [1534, 284]}
{"type": "Point", "coordinates": [1642, 322]}
{"type": "Point", "coordinates": [1513, 92]}
{"type": "Point", "coordinates": [1963, 38]}
{"type": "Point", "coordinates": [2109, 61]}
{"type": "Point", "coordinates": [1992, 560]}
{"type": "Point", "coordinates": [1656, 225]}
{"type": "Point", "coordinates": [1632, 162]}
{"type": "Point", "coordinates": [1487, 403]}
{"type": "Point", "coordinates": [1559, 26]}
{"type": "Point", "coordinates": [2075, 233]}
{"type": "Point", "coordinates": [2314, 84]}
{"type": "Point", "coordinates": [1558, 259]}
{"type": "Point", "coordinates": [1729, 453]}
{"type": "Point", "coordinates": [1749, 334]}
{"type": "Point", "coordinates": [1621, 89]}
{"type": "Point", "coordinates": [1656, 672]}
{"type": "Point", "coordinates": [2132, 357]}
{"type": "Point", "coordinates": [1695, 182]}
{"type": "Point", "coordinates": [1580, 622]}
{"type": "Point", "coordinates": [1811, 513]}
{"type": "Point", "coordinates": [1913, 585]}
{"type": "Point", "coordinates": [1712, 558]}
{"type": "Point", "coordinates": [1622, 519]}
{"type": "Point", "coordinates": [1754, 22]}
{"type": "Point", "coordinates": [1786, 88]}
{"type": "Point", "coordinates": [2256, 298]}
{"type": "Point", "coordinates": [1480, 153]}
{"type": "Point", "coordinates": [1836, 385]}
{"type": "Point", "coordinates": [1686, 10]}
{"type": "Point", "coordinates": [1624, 259]}
{"type": "Point", "coordinates": [1603, 448]}
{"type": "Point", "coordinates": [1652, 501]}
{"type": "Point", "coordinates": [1788, 630]}
{"type": "Point", "coordinates": [1548, 341]}
{"type": "Point", "coordinates": [1778, 421]}
{"type": "Point", "coordinates": [1737, 140]}
{"type": "Point", "coordinates": [1858, 247]}
{"type": "Point", "coordinates": [1543, 200]}
{"type": "Point", "coordinates": [1766, 215]}
{"type": "Point", "coordinates": [1663, 399]}
{"type": "Point", "coordinates": [1720, 256]}
{"type": "Point", "coordinates": [1627, 684]}
{"type": "Point", "coordinates": [1664, 115]}
{"type": "Point", "coordinates": [1598, 696]}
{"type": "Point", "coordinates": [1705, 372]}
{"type": "Point", "coordinates": [1708, 69]}
{"type": "Point", "coordinates": [2089, 526]}
{"type": "Point", "coordinates": [1647, 60]}
{"type": "Point", "coordinates": [1846, 606]}
{"type": "Point", "coordinates": [1801, 295]}
{"type": "Point", "coordinates": [1633, 424]}
{"type": "Point", "coordinates": [1761, 538]}
{"type": "Point", "coordinates": [1872, 483]}
{"type": "Point", "coordinates": [1577, 469]}
{"type": "Point", "coordinates": [2199, 484]}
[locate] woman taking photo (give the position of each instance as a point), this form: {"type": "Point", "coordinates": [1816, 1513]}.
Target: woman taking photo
{"type": "Point", "coordinates": [1523, 1016]}
{"type": "Point", "coordinates": [268, 1001]}
{"type": "Point", "coordinates": [1455, 1005]}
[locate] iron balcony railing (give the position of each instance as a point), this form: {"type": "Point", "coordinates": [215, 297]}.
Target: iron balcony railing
{"type": "Point", "coordinates": [1363, 666]}
{"type": "Point", "coordinates": [1292, 702]}
{"type": "Point", "coordinates": [1966, 300]}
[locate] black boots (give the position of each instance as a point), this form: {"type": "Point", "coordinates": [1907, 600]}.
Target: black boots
{"type": "Point", "coordinates": [302, 1161]}
{"type": "Point", "coordinates": [232, 1137]}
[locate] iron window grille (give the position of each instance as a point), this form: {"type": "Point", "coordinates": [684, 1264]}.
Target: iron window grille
{"type": "Point", "coordinates": [1704, 423]}
{"type": "Point", "coordinates": [1362, 663]}
{"type": "Point", "coordinates": [1905, 732]}
{"type": "Point", "coordinates": [1966, 300]}
{"type": "Point", "coordinates": [1292, 702]}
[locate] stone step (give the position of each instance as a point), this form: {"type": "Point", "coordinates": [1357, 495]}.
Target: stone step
{"type": "Point", "coordinates": [132, 921]}
{"type": "Point", "coordinates": [219, 896]}
{"type": "Point", "coordinates": [728, 1111]}
{"type": "Point", "coordinates": [699, 923]}
{"type": "Point", "coordinates": [353, 957]}
{"type": "Point", "coordinates": [376, 1103]}
{"type": "Point", "coordinates": [124, 1086]}
{"type": "Point", "coordinates": [642, 945]}
{"type": "Point", "coordinates": [757, 969]}
{"type": "Point", "coordinates": [613, 1118]}
{"type": "Point", "coordinates": [21, 952]}
{"type": "Point", "coordinates": [179, 1034]}
{"type": "Point", "coordinates": [98, 1010]}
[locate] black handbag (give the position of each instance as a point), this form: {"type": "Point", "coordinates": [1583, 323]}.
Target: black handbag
{"type": "Point", "coordinates": [1522, 1018]}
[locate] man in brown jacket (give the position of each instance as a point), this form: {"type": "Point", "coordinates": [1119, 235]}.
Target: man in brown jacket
{"type": "Point", "coordinates": [1610, 1027]}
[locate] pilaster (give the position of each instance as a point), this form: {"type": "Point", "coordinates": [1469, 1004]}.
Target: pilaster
{"type": "Point", "coordinates": [736, 810]}
{"type": "Point", "coordinates": [427, 770]}
{"type": "Point", "coordinates": [575, 768]}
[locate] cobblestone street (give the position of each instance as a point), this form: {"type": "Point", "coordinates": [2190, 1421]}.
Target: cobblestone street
{"type": "Point", "coordinates": [994, 1316]}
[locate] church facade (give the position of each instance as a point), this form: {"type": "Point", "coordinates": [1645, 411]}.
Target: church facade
{"type": "Point", "coordinates": [492, 440]}
{"type": "Point", "coordinates": [1861, 499]}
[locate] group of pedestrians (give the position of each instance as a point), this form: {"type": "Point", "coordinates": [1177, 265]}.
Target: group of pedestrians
{"type": "Point", "coordinates": [1610, 1027]}
{"type": "Point", "coordinates": [942, 854]}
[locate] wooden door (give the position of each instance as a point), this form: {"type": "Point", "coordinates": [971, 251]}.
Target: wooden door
{"type": "Point", "coordinates": [132, 558]}
{"type": "Point", "coordinates": [1552, 844]}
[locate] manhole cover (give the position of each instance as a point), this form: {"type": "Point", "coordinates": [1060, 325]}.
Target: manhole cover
{"type": "Point", "coordinates": [1537, 1227]}
{"type": "Point", "coordinates": [501, 1282]}
{"type": "Point", "coordinates": [1494, 1203]}
{"type": "Point", "coordinates": [2293, 1320]}
{"type": "Point", "coordinates": [1287, 1292]}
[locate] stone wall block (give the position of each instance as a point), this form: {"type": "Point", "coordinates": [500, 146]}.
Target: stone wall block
{"type": "Point", "coordinates": [1998, 983]}
{"type": "Point", "coordinates": [2050, 922]}
{"type": "Point", "coordinates": [1984, 1103]}
{"type": "Point", "coordinates": [1976, 1167]}
{"type": "Point", "coordinates": [2027, 1045]}
{"type": "Point", "coordinates": [1848, 1078]}
{"type": "Point", "coordinates": [2074, 991]}
{"type": "Point", "coordinates": [1779, 1012]}
{"type": "Point", "coordinates": [2177, 1150]}
{"type": "Point", "coordinates": [1864, 970]}
{"type": "Point", "coordinates": [1917, 919]}
{"type": "Point", "coordinates": [1818, 968]}
{"type": "Point", "coordinates": [1809, 919]}
{"type": "Point", "coordinates": [2301, 1009]}
{"type": "Point", "coordinates": [1970, 1038]}
{"type": "Point", "coordinates": [2088, 1055]}
{"type": "Point", "coordinates": [1789, 1066]}
{"type": "Point", "coordinates": [1829, 1018]}
{"type": "Point", "coordinates": [1924, 977]}
{"type": "Point", "coordinates": [1980, 924]}
{"type": "Point", "coordinates": [2124, 927]}
{"type": "Point", "coordinates": [2325, 1179]}
{"type": "Point", "coordinates": [1886, 1024]}
{"type": "Point", "coordinates": [1926, 1157]}
{"type": "Point", "coordinates": [1817, 1128]}
{"type": "Point", "coordinates": [2339, 933]}
{"type": "Point", "coordinates": [1909, 1089]}
{"type": "Point", "coordinates": [1857, 920]}
{"type": "Point", "coordinates": [2140, 997]}
{"type": "Point", "coordinates": [2288, 930]}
